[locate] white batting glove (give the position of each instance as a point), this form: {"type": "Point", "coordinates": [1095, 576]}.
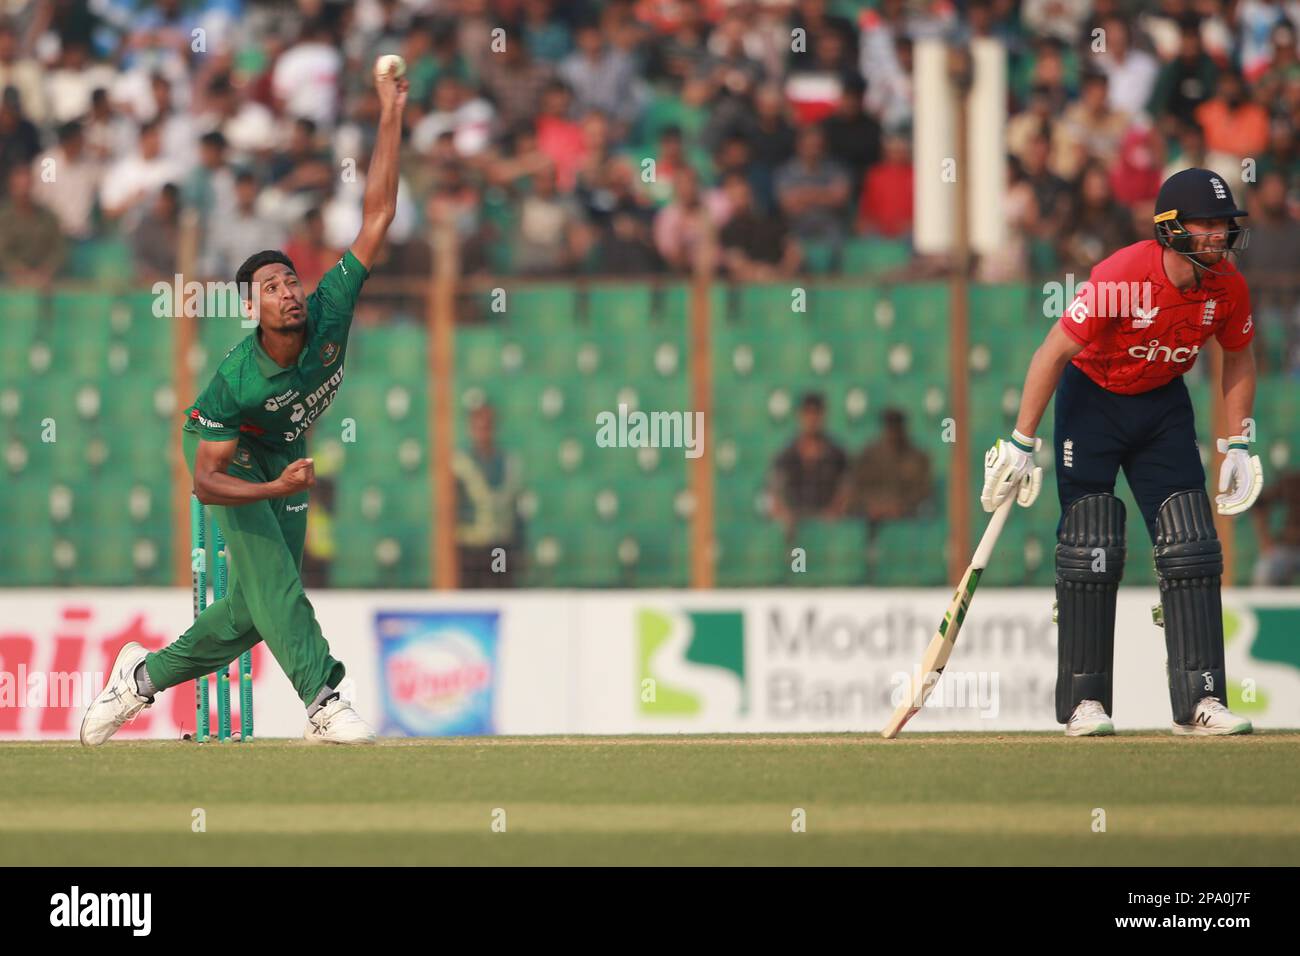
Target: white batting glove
{"type": "Point", "coordinates": [1241, 476]}
{"type": "Point", "coordinates": [1005, 466]}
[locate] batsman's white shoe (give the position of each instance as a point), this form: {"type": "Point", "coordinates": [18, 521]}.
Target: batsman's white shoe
{"type": "Point", "coordinates": [1089, 720]}
{"type": "Point", "coordinates": [338, 723]}
{"type": "Point", "coordinates": [118, 702]}
{"type": "Point", "coordinates": [1212, 719]}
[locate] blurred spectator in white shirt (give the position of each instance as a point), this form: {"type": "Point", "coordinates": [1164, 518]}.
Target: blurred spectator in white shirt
{"type": "Point", "coordinates": [1132, 73]}
{"type": "Point", "coordinates": [67, 182]}
{"type": "Point", "coordinates": [247, 125]}
{"type": "Point", "coordinates": [179, 135]}
{"type": "Point", "coordinates": [109, 134]}
{"type": "Point", "coordinates": [455, 109]}
{"type": "Point", "coordinates": [305, 79]}
{"type": "Point", "coordinates": [72, 83]}
{"type": "Point", "coordinates": [1062, 19]}
{"type": "Point", "coordinates": [131, 182]}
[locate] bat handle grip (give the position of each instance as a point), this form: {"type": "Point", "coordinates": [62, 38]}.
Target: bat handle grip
{"type": "Point", "coordinates": [990, 538]}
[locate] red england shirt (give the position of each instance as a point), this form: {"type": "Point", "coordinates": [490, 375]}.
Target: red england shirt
{"type": "Point", "coordinates": [1138, 330]}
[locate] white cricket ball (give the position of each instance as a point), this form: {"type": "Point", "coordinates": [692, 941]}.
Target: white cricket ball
{"type": "Point", "coordinates": [390, 65]}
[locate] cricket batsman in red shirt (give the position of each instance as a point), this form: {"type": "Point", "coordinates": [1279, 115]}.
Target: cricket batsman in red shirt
{"type": "Point", "coordinates": [1115, 362]}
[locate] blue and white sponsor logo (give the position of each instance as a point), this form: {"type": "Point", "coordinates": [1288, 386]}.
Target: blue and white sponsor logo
{"type": "Point", "coordinates": [438, 671]}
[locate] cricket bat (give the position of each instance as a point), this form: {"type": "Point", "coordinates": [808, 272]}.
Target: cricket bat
{"type": "Point", "coordinates": [940, 649]}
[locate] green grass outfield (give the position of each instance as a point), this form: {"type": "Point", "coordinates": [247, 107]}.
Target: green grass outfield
{"type": "Point", "coordinates": [923, 799]}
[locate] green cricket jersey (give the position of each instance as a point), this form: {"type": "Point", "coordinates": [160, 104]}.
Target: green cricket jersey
{"type": "Point", "coordinates": [253, 397]}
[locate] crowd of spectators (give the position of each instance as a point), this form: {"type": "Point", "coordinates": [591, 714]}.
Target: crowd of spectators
{"type": "Point", "coordinates": [611, 137]}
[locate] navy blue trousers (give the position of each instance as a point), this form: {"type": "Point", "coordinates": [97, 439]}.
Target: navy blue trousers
{"type": "Point", "coordinates": [1152, 436]}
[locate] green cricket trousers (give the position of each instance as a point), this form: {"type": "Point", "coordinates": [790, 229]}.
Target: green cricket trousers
{"type": "Point", "coordinates": [265, 600]}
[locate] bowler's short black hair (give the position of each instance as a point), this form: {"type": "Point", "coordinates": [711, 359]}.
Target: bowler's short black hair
{"type": "Point", "coordinates": [244, 277]}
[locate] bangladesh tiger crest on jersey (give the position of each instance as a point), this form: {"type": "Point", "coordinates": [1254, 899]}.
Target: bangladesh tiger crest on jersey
{"type": "Point", "coordinates": [328, 353]}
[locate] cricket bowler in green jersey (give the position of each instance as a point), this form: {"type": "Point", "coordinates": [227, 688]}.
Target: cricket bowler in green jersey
{"type": "Point", "coordinates": [244, 441]}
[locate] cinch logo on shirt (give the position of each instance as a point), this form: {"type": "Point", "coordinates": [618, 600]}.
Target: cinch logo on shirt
{"type": "Point", "coordinates": [1151, 351]}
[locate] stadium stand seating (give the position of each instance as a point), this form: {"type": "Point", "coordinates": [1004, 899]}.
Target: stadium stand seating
{"type": "Point", "coordinates": [93, 506]}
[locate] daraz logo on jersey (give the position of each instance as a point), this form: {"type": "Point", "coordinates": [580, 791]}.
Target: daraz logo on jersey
{"type": "Point", "coordinates": [277, 402]}
{"type": "Point", "coordinates": [691, 663]}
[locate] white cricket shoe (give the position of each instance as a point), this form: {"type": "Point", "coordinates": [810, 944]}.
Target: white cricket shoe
{"type": "Point", "coordinates": [1089, 720]}
{"type": "Point", "coordinates": [1212, 719]}
{"type": "Point", "coordinates": [338, 723]}
{"type": "Point", "coordinates": [119, 701]}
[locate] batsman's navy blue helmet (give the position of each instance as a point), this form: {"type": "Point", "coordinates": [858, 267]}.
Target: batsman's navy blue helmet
{"type": "Point", "coordinates": [1197, 194]}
